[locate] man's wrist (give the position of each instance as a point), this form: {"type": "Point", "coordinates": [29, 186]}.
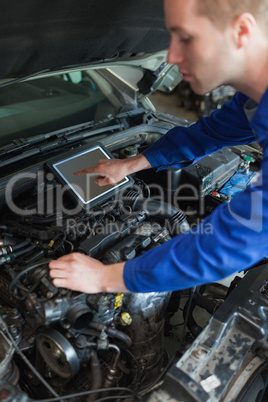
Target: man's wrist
{"type": "Point", "coordinates": [112, 278]}
{"type": "Point", "coordinates": [137, 163]}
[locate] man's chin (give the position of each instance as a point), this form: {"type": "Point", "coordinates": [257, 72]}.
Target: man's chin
{"type": "Point", "coordinates": [200, 89]}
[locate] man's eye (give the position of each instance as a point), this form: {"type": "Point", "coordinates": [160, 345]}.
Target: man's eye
{"type": "Point", "coordinates": [185, 40]}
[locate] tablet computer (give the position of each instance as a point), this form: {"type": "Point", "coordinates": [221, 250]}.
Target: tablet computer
{"type": "Point", "coordinates": [83, 188]}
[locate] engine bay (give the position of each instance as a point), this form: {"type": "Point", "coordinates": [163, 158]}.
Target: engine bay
{"type": "Point", "coordinates": [58, 344]}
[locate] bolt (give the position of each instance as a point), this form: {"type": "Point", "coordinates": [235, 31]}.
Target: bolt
{"type": "Point", "coordinates": [31, 339]}
{"type": "Point", "coordinates": [103, 336]}
{"type": "Point", "coordinates": [14, 331]}
{"type": "Point", "coordinates": [198, 353]}
{"type": "Point", "coordinates": [63, 291]}
{"type": "Point", "coordinates": [81, 342]}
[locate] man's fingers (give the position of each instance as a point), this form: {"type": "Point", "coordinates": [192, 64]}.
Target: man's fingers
{"type": "Point", "coordinates": [64, 261]}
{"type": "Point", "coordinates": [84, 171]}
{"type": "Point", "coordinates": [58, 263]}
{"type": "Point", "coordinates": [60, 283]}
{"type": "Point", "coordinates": [60, 279]}
{"type": "Point", "coordinates": [57, 273]}
{"type": "Point", "coordinates": [93, 169]}
{"type": "Point", "coordinates": [104, 181]}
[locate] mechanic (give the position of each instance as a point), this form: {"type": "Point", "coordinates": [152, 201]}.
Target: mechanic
{"type": "Point", "coordinates": [213, 42]}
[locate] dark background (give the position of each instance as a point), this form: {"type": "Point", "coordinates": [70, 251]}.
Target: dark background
{"type": "Point", "coordinates": [37, 35]}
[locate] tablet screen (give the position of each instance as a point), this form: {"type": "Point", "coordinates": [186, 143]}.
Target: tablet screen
{"type": "Point", "coordinates": [85, 187]}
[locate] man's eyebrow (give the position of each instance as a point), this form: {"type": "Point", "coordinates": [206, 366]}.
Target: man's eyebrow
{"type": "Point", "coordinates": [175, 29]}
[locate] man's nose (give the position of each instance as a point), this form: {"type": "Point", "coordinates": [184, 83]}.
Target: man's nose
{"type": "Point", "coordinates": [175, 54]}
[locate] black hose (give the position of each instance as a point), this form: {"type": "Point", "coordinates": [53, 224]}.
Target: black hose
{"type": "Point", "coordinates": [39, 220]}
{"type": "Point", "coordinates": [204, 302]}
{"type": "Point", "coordinates": [13, 255]}
{"type": "Point", "coordinates": [96, 375]}
{"type": "Point", "coordinates": [191, 323]}
{"type": "Point", "coordinates": [7, 239]}
{"type": "Point", "coordinates": [20, 245]}
{"type": "Point", "coordinates": [161, 211]}
{"type": "Point", "coordinates": [25, 250]}
{"type": "Point", "coordinates": [26, 271]}
{"type": "Point", "coordinates": [39, 254]}
{"type": "Point", "coordinates": [201, 301]}
{"type": "Point", "coordinates": [121, 336]}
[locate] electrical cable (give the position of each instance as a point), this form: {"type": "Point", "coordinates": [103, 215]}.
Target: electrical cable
{"type": "Point", "coordinates": [65, 397]}
{"type": "Point", "coordinates": [85, 393]}
{"type": "Point", "coordinates": [26, 361]}
{"type": "Point", "coordinates": [107, 398]}
{"type": "Point", "coordinates": [135, 361]}
{"type": "Point", "coordinates": [29, 291]}
{"type": "Point", "coordinates": [179, 324]}
{"type": "Point", "coordinates": [26, 271]}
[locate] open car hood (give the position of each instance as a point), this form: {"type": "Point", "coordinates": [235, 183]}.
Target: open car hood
{"type": "Point", "coordinates": [48, 36]}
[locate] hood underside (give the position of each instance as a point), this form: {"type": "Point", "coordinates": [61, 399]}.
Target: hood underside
{"type": "Point", "coordinates": [43, 35]}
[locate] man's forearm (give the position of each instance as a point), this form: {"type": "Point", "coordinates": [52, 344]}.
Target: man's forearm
{"type": "Point", "coordinates": [137, 163]}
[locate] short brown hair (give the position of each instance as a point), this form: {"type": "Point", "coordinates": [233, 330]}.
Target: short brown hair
{"type": "Point", "coordinates": [223, 12]}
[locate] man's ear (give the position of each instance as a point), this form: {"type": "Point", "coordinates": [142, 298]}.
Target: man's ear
{"type": "Point", "coordinates": [243, 27]}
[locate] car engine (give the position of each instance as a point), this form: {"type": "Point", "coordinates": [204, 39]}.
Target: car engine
{"type": "Point", "coordinates": [58, 344]}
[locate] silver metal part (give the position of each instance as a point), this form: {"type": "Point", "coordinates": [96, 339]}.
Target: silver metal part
{"type": "Point", "coordinates": [58, 353]}
{"type": "Point", "coordinates": [147, 331]}
{"type": "Point", "coordinates": [228, 361]}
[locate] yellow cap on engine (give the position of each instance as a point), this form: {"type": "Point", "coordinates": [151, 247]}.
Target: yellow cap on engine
{"type": "Point", "coordinates": [126, 318]}
{"type": "Point", "coordinates": [118, 300]}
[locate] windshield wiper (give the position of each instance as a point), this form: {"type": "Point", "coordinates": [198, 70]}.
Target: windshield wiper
{"type": "Point", "coordinates": [54, 144]}
{"type": "Point", "coordinates": [20, 144]}
{"type": "Point", "coordinates": [74, 133]}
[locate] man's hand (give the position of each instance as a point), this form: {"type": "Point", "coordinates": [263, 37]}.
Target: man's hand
{"type": "Point", "coordinates": [85, 274]}
{"type": "Point", "coordinates": [112, 171]}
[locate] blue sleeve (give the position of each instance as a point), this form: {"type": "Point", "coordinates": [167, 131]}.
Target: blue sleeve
{"type": "Point", "coordinates": [231, 239]}
{"type": "Point", "coordinates": [182, 146]}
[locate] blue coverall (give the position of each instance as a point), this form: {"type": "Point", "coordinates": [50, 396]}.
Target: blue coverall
{"type": "Point", "coordinates": [239, 235]}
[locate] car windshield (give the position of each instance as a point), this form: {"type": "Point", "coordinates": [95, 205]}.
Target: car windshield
{"type": "Point", "coordinates": [43, 105]}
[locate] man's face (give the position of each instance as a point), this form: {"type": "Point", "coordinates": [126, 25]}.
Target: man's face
{"type": "Point", "coordinates": [203, 53]}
